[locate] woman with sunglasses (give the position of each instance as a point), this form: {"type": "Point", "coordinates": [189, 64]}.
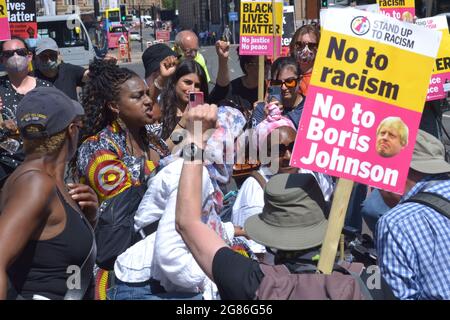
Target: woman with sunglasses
{"type": "Point", "coordinates": [274, 140]}
{"type": "Point", "coordinates": [285, 74]}
{"type": "Point", "coordinates": [15, 57]}
{"type": "Point", "coordinates": [250, 198]}
{"type": "Point", "coordinates": [303, 48]}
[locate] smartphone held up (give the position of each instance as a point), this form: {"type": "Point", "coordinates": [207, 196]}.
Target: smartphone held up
{"type": "Point", "coordinates": [274, 94]}
{"type": "Point", "coordinates": [195, 99]}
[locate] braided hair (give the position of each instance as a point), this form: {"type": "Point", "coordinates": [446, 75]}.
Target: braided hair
{"type": "Point", "coordinates": [169, 99]}
{"type": "Point", "coordinates": [102, 88]}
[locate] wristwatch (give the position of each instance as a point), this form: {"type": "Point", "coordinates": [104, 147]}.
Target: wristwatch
{"type": "Point", "coordinates": [192, 152]}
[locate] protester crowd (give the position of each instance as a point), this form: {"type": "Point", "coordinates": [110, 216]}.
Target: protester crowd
{"type": "Point", "coordinates": [112, 174]}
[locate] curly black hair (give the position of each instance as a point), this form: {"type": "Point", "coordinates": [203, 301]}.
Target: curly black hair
{"type": "Point", "coordinates": [169, 99]}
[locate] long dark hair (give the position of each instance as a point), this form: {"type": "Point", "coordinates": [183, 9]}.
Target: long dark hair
{"type": "Point", "coordinates": [169, 99]}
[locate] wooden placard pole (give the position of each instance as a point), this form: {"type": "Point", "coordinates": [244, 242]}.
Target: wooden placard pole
{"type": "Point", "coordinates": [335, 224]}
{"type": "Point", "coordinates": [261, 78]}
{"type": "Point", "coordinates": [274, 33]}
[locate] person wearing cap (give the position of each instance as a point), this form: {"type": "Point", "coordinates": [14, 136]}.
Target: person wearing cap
{"type": "Point", "coordinates": [413, 239]}
{"type": "Point", "coordinates": [154, 58]}
{"type": "Point", "coordinates": [16, 57]}
{"type": "Point", "coordinates": [291, 221]}
{"type": "Point", "coordinates": [50, 67]}
{"type": "Point", "coordinates": [46, 224]}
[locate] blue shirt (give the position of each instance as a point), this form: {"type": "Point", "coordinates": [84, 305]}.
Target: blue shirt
{"type": "Point", "coordinates": [413, 244]}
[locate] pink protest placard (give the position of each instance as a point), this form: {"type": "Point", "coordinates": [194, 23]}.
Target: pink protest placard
{"type": "Point", "coordinates": [4, 29]}
{"type": "Point", "coordinates": [440, 80]}
{"type": "Point", "coordinates": [258, 45]}
{"type": "Point", "coordinates": [403, 10]}
{"type": "Point", "coordinates": [363, 110]}
{"type": "Point", "coordinates": [4, 25]}
{"type": "Point", "coordinates": [340, 139]}
{"type": "Point", "coordinates": [261, 27]}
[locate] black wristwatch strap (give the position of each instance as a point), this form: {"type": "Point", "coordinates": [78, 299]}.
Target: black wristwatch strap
{"type": "Point", "coordinates": [192, 152]}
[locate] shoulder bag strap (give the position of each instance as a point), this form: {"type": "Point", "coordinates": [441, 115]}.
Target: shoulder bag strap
{"type": "Point", "coordinates": [258, 177]}
{"type": "Point", "coordinates": [432, 200]}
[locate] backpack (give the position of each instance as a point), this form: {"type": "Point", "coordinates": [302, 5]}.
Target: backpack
{"type": "Point", "coordinates": [344, 283]}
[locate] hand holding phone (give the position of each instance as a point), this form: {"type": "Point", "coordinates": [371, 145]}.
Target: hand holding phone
{"type": "Point", "coordinates": [274, 94]}
{"type": "Point", "coordinates": [195, 99]}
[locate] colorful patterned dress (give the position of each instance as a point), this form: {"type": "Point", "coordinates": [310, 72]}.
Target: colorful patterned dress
{"type": "Point", "coordinates": [105, 164]}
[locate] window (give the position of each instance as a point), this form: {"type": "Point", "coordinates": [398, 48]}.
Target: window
{"type": "Point", "coordinates": [64, 37]}
{"type": "Point", "coordinates": [114, 16]}
{"type": "Point", "coordinates": [215, 12]}
{"type": "Point", "coordinates": [118, 29]}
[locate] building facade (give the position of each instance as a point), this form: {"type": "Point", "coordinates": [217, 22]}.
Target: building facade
{"type": "Point", "coordinates": [87, 6]}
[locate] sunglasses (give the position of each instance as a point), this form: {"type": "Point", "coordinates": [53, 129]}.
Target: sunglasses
{"type": "Point", "coordinates": [9, 53]}
{"type": "Point", "coordinates": [282, 148]}
{"type": "Point", "coordinates": [301, 45]}
{"type": "Point", "coordinates": [289, 83]}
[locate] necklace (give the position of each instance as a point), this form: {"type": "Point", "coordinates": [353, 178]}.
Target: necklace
{"type": "Point", "coordinates": [131, 148]}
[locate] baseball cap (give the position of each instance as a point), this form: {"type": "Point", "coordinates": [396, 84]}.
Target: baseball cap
{"type": "Point", "coordinates": [152, 57]}
{"type": "Point", "coordinates": [46, 44]}
{"type": "Point", "coordinates": [47, 108]}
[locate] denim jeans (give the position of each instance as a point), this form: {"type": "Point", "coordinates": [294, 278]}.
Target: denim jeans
{"type": "Point", "coordinates": [148, 290]}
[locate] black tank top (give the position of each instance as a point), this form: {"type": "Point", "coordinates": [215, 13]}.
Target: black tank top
{"type": "Point", "coordinates": [45, 265]}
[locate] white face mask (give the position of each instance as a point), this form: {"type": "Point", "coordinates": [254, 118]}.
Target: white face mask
{"type": "Point", "coordinates": [16, 64]}
{"type": "Point", "coordinates": [306, 55]}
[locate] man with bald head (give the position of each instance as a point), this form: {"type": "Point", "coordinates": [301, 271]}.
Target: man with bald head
{"type": "Point", "coordinates": [186, 45]}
